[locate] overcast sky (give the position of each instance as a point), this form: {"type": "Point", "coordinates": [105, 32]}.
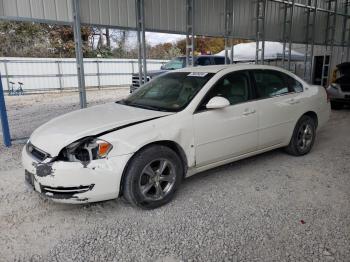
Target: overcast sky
{"type": "Point", "coordinates": [157, 38]}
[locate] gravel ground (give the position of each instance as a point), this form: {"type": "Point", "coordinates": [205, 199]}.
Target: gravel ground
{"type": "Point", "coordinates": [271, 207]}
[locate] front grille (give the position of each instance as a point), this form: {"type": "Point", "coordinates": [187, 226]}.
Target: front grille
{"type": "Point", "coordinates": [36, 152]}
{"type": "Point", "coordinates": [345, 88]}
{"type": "Point", "coordinates": [65, 192]}
{"type": "Point", "coordinates": [136, 82]}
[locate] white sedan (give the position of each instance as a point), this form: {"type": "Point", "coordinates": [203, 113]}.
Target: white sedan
{"type": "Point", "coordinates": [181, 123]}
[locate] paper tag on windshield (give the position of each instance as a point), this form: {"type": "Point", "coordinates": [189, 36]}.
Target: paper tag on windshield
{"type": "Point", "coordinates": [199, 74]}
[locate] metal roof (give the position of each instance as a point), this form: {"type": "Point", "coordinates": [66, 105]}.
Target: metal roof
{"type": "Point", "coordinates": [170, 16]}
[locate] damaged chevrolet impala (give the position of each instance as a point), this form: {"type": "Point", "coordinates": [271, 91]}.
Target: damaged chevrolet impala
{"type": "Point", "coordinates": [180, 123]}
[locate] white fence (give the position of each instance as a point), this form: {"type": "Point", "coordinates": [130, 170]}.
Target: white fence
{"type": "Point", "coordinates": [43, 74]}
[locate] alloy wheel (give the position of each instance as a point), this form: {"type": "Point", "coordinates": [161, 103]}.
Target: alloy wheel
{"type": "Point", "coordinates": [157, 179]}
{"type": "Point", "coordinates": [305, 136]}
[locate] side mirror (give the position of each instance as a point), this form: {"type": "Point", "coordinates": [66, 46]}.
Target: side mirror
{"type": "Point", "coordinates": [162, 67]}
{"type": "Point", "coordinates": [217, 102]}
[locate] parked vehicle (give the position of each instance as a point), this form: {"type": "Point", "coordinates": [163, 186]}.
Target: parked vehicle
{"type": "Point", "coordinates": [180, 123]}
{"type": "Point", "coordinates": [177, 63]}
{"type": "Point", "coordinates": [339, 90]}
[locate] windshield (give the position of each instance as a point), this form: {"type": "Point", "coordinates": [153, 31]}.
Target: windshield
{"type": "Point", "coordinates": [176, 63]}
{"type": "Point", "coordinates": [169, 92]}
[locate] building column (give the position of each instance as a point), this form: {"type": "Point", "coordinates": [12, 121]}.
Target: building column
{"type": "Point", "coordinates": [79, 52]}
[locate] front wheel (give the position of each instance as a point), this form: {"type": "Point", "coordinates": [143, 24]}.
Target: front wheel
{"type": "Point", "coordinates": [303, 137]}
{"type": "Point", "coordinates": [152, 177]}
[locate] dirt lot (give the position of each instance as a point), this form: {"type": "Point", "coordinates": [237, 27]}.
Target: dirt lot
{"type": "Point", "coordinates": [272, 207]}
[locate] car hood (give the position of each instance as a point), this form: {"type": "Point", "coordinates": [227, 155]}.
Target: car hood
{"type": "Point", "coordinates": [63, 130]}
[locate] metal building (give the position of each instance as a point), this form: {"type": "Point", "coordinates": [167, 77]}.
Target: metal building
{"type": "Point", "coordinates": [323, 23]}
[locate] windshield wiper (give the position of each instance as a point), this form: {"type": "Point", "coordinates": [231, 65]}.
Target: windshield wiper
{"type": "Point", "coordinates": [128, 103]}
{"type": "Point", "coordinates": [148, 107]}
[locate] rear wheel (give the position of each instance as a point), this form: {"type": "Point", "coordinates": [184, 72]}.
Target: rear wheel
{"type": "Point", "coordinates": [152, 177]}
{"type": "Point", "coordinates": [303, 136]}
{"type": "Point", "coordinates": [336, 105]}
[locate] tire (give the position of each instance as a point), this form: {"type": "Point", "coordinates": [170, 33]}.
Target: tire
{"type": "Point", "coordinates": [152, 177]}
{"type": "Point", "coordinates": [303, 138]}
{"type": "Point", "coordinates": [336, 105]}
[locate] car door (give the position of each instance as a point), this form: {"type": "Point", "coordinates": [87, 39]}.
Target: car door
{"type": "Point", "coordinates": [278, 106]}
{"type": "Point", "coordinates": [230, 131]}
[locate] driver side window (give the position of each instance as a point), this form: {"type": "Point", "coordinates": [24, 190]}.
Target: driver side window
{"type": "Point", "coordinates": [235, 87]}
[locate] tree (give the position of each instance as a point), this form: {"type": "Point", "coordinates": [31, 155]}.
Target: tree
{"type": "Point", "coordinates": [207, 45]}
{"type": "Point", "coordinates": [23, 39]}
{"type": "Point", "coordinates": [26, 39]}
{"type": "Point", "coordinates": [163, 51]}
{"type": "Point", "coordinates": [62, 41]}
{"type": "Point", "coordinates": [120, 37]}
{"type": "Point", "coordinates": [204, 45]}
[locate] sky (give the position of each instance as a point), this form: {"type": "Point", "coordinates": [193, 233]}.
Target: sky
{"type": "Point", "coordinates": [155, 38]}
{"type": "Point", "coordinates": [158, 38]}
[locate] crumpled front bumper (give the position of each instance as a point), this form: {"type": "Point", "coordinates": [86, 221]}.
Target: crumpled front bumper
{"type": "Point", "coordinates": [72, 182]}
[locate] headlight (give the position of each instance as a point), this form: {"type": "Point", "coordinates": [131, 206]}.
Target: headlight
{"type": "Point", "coordinates": [87, 149]}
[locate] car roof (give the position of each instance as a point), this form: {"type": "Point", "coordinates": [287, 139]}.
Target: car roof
{"type": "Point", "coordinates": [217, 68]}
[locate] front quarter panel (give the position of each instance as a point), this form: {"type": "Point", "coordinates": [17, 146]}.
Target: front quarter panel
{"type": "Point", "coordinates": [177, 128]}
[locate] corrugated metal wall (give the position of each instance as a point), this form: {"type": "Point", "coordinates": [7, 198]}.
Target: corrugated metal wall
{"type": "Point", "coordinates": [170, 16]}
{"type": "Point", "coordinates": [55, 10]}
{"type": "Point", "coordinates": [53, 73]}
{"type": "Point", "coordinates": [320, 51]}
{"type": "Point", "coordinates": [165, 15]}
{"type": "Point", "coordinates": [209, 17]}
{"type": "Point", "coordinates": [119, 13]}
